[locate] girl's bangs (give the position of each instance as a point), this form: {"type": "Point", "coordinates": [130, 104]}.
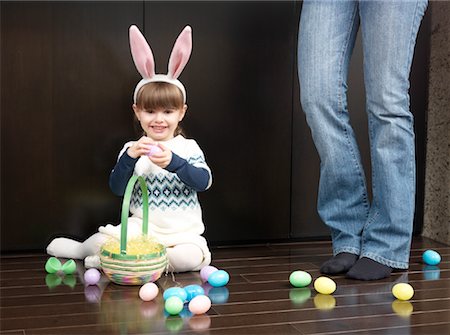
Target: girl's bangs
{"type": "Point", "coordinates": [160, 95]}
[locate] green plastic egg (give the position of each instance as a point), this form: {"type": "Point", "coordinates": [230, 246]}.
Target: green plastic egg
{"type": "Point", "coordinates": [173, 305]}
{"type": "Point", "coordinates": [300, 278]}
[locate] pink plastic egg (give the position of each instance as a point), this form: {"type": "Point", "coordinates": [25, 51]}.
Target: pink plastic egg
{"type": "Point", "coordinates": [148, 291]}
{"type": "Point", "coordinates": [199, 305]}
{"type": "Point", "coordinates": [92, 276]}
{"type": "Point", "coordinates": [206, 271]}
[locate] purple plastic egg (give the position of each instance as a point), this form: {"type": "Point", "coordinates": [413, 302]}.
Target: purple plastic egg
{"type": "Point", "coordinates": [206, 271]}
{"type": "Point", "coordinates": [154, 150]}
{"type": "Point", "coordinates": [92, 276]}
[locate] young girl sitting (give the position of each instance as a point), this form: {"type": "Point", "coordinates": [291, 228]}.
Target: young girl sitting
{"type": "Point", "coordinates": [173, 167]}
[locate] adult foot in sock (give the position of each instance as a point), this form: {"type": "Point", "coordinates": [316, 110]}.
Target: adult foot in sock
{"type": "Point", "coordinates": [367, 269]}
{"type": "Point", "coordinates": [340, 263]}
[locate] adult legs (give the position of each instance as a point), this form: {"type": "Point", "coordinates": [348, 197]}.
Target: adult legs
{"type": "Point", "coordinates": [389, 30]}
{"type": "Point", "coordinates": [327, 35]}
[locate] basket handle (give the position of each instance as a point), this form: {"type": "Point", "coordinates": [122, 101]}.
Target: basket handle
{"type": "Point", "coordinates": [126, 210]}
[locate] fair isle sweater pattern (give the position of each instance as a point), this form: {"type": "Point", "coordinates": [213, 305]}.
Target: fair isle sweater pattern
{"type": "Point", "coordinates": [166, 191]}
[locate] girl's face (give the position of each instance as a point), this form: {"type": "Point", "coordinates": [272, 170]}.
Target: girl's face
{"type": "Point", "coordinates": [159, 124]}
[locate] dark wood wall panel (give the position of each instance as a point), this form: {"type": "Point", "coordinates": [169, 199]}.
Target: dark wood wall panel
{"type": "Point", "coordinates": [66, 92]}
{"type": "Point", "coordinates": [239, 85]}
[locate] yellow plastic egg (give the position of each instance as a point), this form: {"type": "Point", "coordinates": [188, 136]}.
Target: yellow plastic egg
{"type": "Point", "coordinates": [403, 291]}
{"type": "Point", "coordinates": [324, 285]}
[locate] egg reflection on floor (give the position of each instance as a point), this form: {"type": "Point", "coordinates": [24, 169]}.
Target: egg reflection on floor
{"type": "Point", "coordinates": [149, 309]}
{"type": "Point", "coordinates": [93, 294]}
{"type": "Point", "coordinates": [52, 280]}
{"type": "Point", "coordinates": [324, 301]}
{"type": "Point", "coordinates": [431, 272]}
{"type": "Point", "coordinates": [70, 280]}
{"type": "Point", "coordinates": [174, 323]}
{"type": "Point", "coordinates": [219, 295]}
{"type": "Point", "coordinates": [299, 295]}
{"type": "Point", "coordinates": [402, 308]}
{"type": "Point", "coordinates": [200, 322]}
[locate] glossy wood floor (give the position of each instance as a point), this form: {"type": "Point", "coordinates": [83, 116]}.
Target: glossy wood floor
{"type": "Point", "coordinates": [257, 300]}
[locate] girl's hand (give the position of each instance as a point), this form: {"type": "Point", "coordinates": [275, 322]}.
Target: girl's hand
{"type": "Point", "coordinates": [140, 147]}
{"type": "Point", "coordinates": [163, 158]}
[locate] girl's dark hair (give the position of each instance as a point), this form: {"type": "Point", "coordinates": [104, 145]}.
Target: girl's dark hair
{"type": "Point", "coordinates": [160, 95]}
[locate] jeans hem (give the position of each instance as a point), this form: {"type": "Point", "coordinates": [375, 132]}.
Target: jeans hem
{"type": "Point", "coordinates": [384, 261]}
{"type": "Point", "coordinates": [350, 250]}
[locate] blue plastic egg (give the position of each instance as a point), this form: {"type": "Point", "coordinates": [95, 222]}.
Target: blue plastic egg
{"type": "Point", "coordinates": [218, 278]}
{"type": "Point", "coordinates": [431, 257]}
{"type": "Point", "coordinates": [175, 292]}
{"type": "Point", "coordinates": [193, 290]}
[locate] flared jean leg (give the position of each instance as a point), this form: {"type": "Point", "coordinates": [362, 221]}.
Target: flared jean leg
{"type": "Point", "coordinates": [389, 30]}
{"type": "Point", "coordinates": [327, 35]}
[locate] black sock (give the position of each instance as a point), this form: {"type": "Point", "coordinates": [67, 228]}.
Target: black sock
{"type": "Point", "coordinates": [367, 269]}
{"type": "Point", "coordinates": [340, 263]}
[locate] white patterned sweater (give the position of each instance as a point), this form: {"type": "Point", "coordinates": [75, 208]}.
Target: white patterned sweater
{"type": "Point", "coordinates": [173, 206]}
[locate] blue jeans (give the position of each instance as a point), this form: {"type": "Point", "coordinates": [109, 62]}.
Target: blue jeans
{"type": "Point", "coordinates": [380, 228]}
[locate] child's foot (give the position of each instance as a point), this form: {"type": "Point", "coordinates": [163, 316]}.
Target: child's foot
{"type": "Point", "coordinates": [92, 262]}
{"type": "Point", "coordinates": [184, 257]}
{"type": "Point", "coordinates": [340, 263]}
{"type": "Point", "coordinates": [367, 269]}
{"type": "Point", "coordinates": [64, 247]}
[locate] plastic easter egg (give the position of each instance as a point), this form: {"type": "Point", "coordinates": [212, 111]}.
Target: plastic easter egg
{"type": "Point", "coordinates": [154, 149]}
{"type": "Point", "coordinates": [403, 291]}
{"type": "Point", "coordinates": [175, 292]}
{"type": "Point", "coordinates": [69, 267]}
{"type": "Point", "coordinates": [218, 278]}
{"type": "Point", "coordinates": [193, 290]}
{"type": "Point", "coordinates": [148, 291]}
{"type": "Point", "coordinates": [92, 276]}
{"type": "Point", "coordinates": [206, 271]}
{"type": "Point", "coordinates": [52, 265]}
{"type": "Point", "coordinates": [200, 304]}
{"type": "Point", "coordinates": [300, 278]}
{"type": "Point", "coordinates": [324, 285]}
{"type": "Point", "coordinates": [173, 305]}
{"type": "Point", "coordinates": [431, 257]}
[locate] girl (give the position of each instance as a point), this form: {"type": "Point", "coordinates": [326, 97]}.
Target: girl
{"type": "Point", "coordinates": [173, 167]}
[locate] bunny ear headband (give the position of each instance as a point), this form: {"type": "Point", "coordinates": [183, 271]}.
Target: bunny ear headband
{"type": "Point", "coordinates": [145, 64]}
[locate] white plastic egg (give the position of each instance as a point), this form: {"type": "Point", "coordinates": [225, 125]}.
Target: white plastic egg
{"type": "Point", "coordinates": [199, 305]}
{"type": "Point", "coordinates": [148, 291]}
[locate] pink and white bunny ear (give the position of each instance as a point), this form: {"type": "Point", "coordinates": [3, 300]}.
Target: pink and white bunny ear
{"type": "Point", "coordinates": [180, 53]}
{"type": "Point", "coordinates": [142, 54]}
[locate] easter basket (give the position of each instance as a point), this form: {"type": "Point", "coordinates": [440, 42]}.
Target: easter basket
{"type": "Point", "coordinates": [133, 268]}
